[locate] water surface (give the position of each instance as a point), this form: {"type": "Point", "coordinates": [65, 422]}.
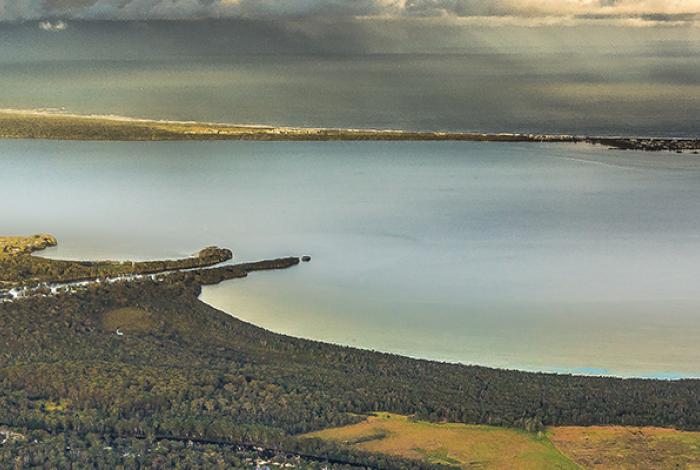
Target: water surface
{"type": "Point", "coordinates": [543, 257]}
{"type": "Point", "coordinates": [363, 74]}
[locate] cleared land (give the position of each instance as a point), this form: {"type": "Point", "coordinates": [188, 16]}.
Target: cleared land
{"type": "Point", "coordinates": [463, 445]}
{"type": "Point", "coordinates": [623, 447]}
{"type": "Point", "coordinates": [490, 447]}
{"type": "Point", "coordinates": [20, 124]}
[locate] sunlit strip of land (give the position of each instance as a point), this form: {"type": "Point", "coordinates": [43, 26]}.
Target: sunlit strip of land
{"type": "Point", "coordinates": [29, 124]}
{"type": "Point", "coordinates": [51, 125]}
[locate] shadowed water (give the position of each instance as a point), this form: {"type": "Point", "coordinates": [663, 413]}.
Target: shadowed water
{"type": "Point", "coordinates": [545, 257]}
{"type": "Point", "coordinates": [412, 75]}
{"type": "Point", "coordinates": [489, 93]}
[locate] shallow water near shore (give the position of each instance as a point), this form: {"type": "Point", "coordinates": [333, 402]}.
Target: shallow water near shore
{"type": "Point", "coordinates": [564, 258]}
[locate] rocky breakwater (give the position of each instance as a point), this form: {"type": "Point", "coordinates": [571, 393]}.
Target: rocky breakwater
{"type": "Point", "coordinates": [210, 276]}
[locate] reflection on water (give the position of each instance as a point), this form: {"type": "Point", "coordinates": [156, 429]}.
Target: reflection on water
{"type": "Point", "coordinates": [547, 257]}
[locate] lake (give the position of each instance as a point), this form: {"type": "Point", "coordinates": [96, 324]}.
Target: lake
{"type": "Point", "coordinates": [558, 257]}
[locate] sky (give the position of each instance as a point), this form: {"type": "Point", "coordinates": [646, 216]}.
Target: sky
{"type": "Point", "coordinates": [599, 66]}
{"type": "Point", "coordinates": [56, 13]}
{"type": "Point", "coordinates": [620, 27]}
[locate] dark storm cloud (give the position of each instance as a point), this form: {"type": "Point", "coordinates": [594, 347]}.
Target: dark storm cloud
{"type": "Point", "coordinates": [650, 11]}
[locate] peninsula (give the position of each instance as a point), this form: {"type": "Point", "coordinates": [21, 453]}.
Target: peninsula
{"type": "Point", "coordinates": [128, 368]}
{"type": "Point", "coordinates": [28, 124]}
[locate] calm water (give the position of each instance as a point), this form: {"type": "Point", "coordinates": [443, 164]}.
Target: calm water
{"type": "Point", "coordinates": [559, 257]}
{"type": "Point", "coordinates": [490, 93]}
{"type": "Point", "coordinates": [362, 74]}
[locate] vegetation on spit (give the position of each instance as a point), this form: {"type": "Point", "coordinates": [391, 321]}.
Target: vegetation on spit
{"type": "Point", "coordinates": [18, 268]}
{"type": "Point", "coordinates": [140, 373]}
{"type": "Point", "coordinates": [36, 125]}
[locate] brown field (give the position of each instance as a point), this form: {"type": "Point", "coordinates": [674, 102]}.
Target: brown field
{"type": "Point", "coordinates": [489, 447]}
{"type": "Point", "coordinates": [623, 447]}
{"type": "Point", "coordinates": [461, 445]}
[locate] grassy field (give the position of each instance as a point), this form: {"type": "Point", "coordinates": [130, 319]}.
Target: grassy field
{"type": "Point", "coordinates": [489, 447]}
{"type": "Point", "coordinates": [623, 447]}
{"type": "Point", "coordinates": [462, 445]}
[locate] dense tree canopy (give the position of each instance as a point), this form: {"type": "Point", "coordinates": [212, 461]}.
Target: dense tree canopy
{"type": "Point", "coordinates": [183, 382]}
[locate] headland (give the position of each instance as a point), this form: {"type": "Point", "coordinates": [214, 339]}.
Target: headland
{"type": "Point", "coordinates": [135, 368]}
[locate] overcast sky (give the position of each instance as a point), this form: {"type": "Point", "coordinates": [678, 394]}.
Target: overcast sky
{"type": "Point", "coordinates": [580, 66]}
{"type": "Point", "coordinates": [524, 12]}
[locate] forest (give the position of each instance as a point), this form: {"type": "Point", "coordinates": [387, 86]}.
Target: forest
{"type": "Point", "coordinates": [186, 385]}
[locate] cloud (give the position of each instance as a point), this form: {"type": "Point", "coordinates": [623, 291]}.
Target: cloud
{"type": "Point", "coordinates": [509, 11]}
{"type": "Point", "coordinates": [53, 26]}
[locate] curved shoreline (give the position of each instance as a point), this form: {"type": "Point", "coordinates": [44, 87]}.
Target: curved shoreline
{"type": "Point", "coordinates": [579, 371]}
{"type": "Point", "coordinates": [33, 124]}
{"type": "Point", "coordinates": [202, 270]}
{"type": "Point", "coordinates": [114, 349]}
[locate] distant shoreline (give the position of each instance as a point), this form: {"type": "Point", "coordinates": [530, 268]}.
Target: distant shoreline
{"type": "Point", "coordinates": [38, 124]}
